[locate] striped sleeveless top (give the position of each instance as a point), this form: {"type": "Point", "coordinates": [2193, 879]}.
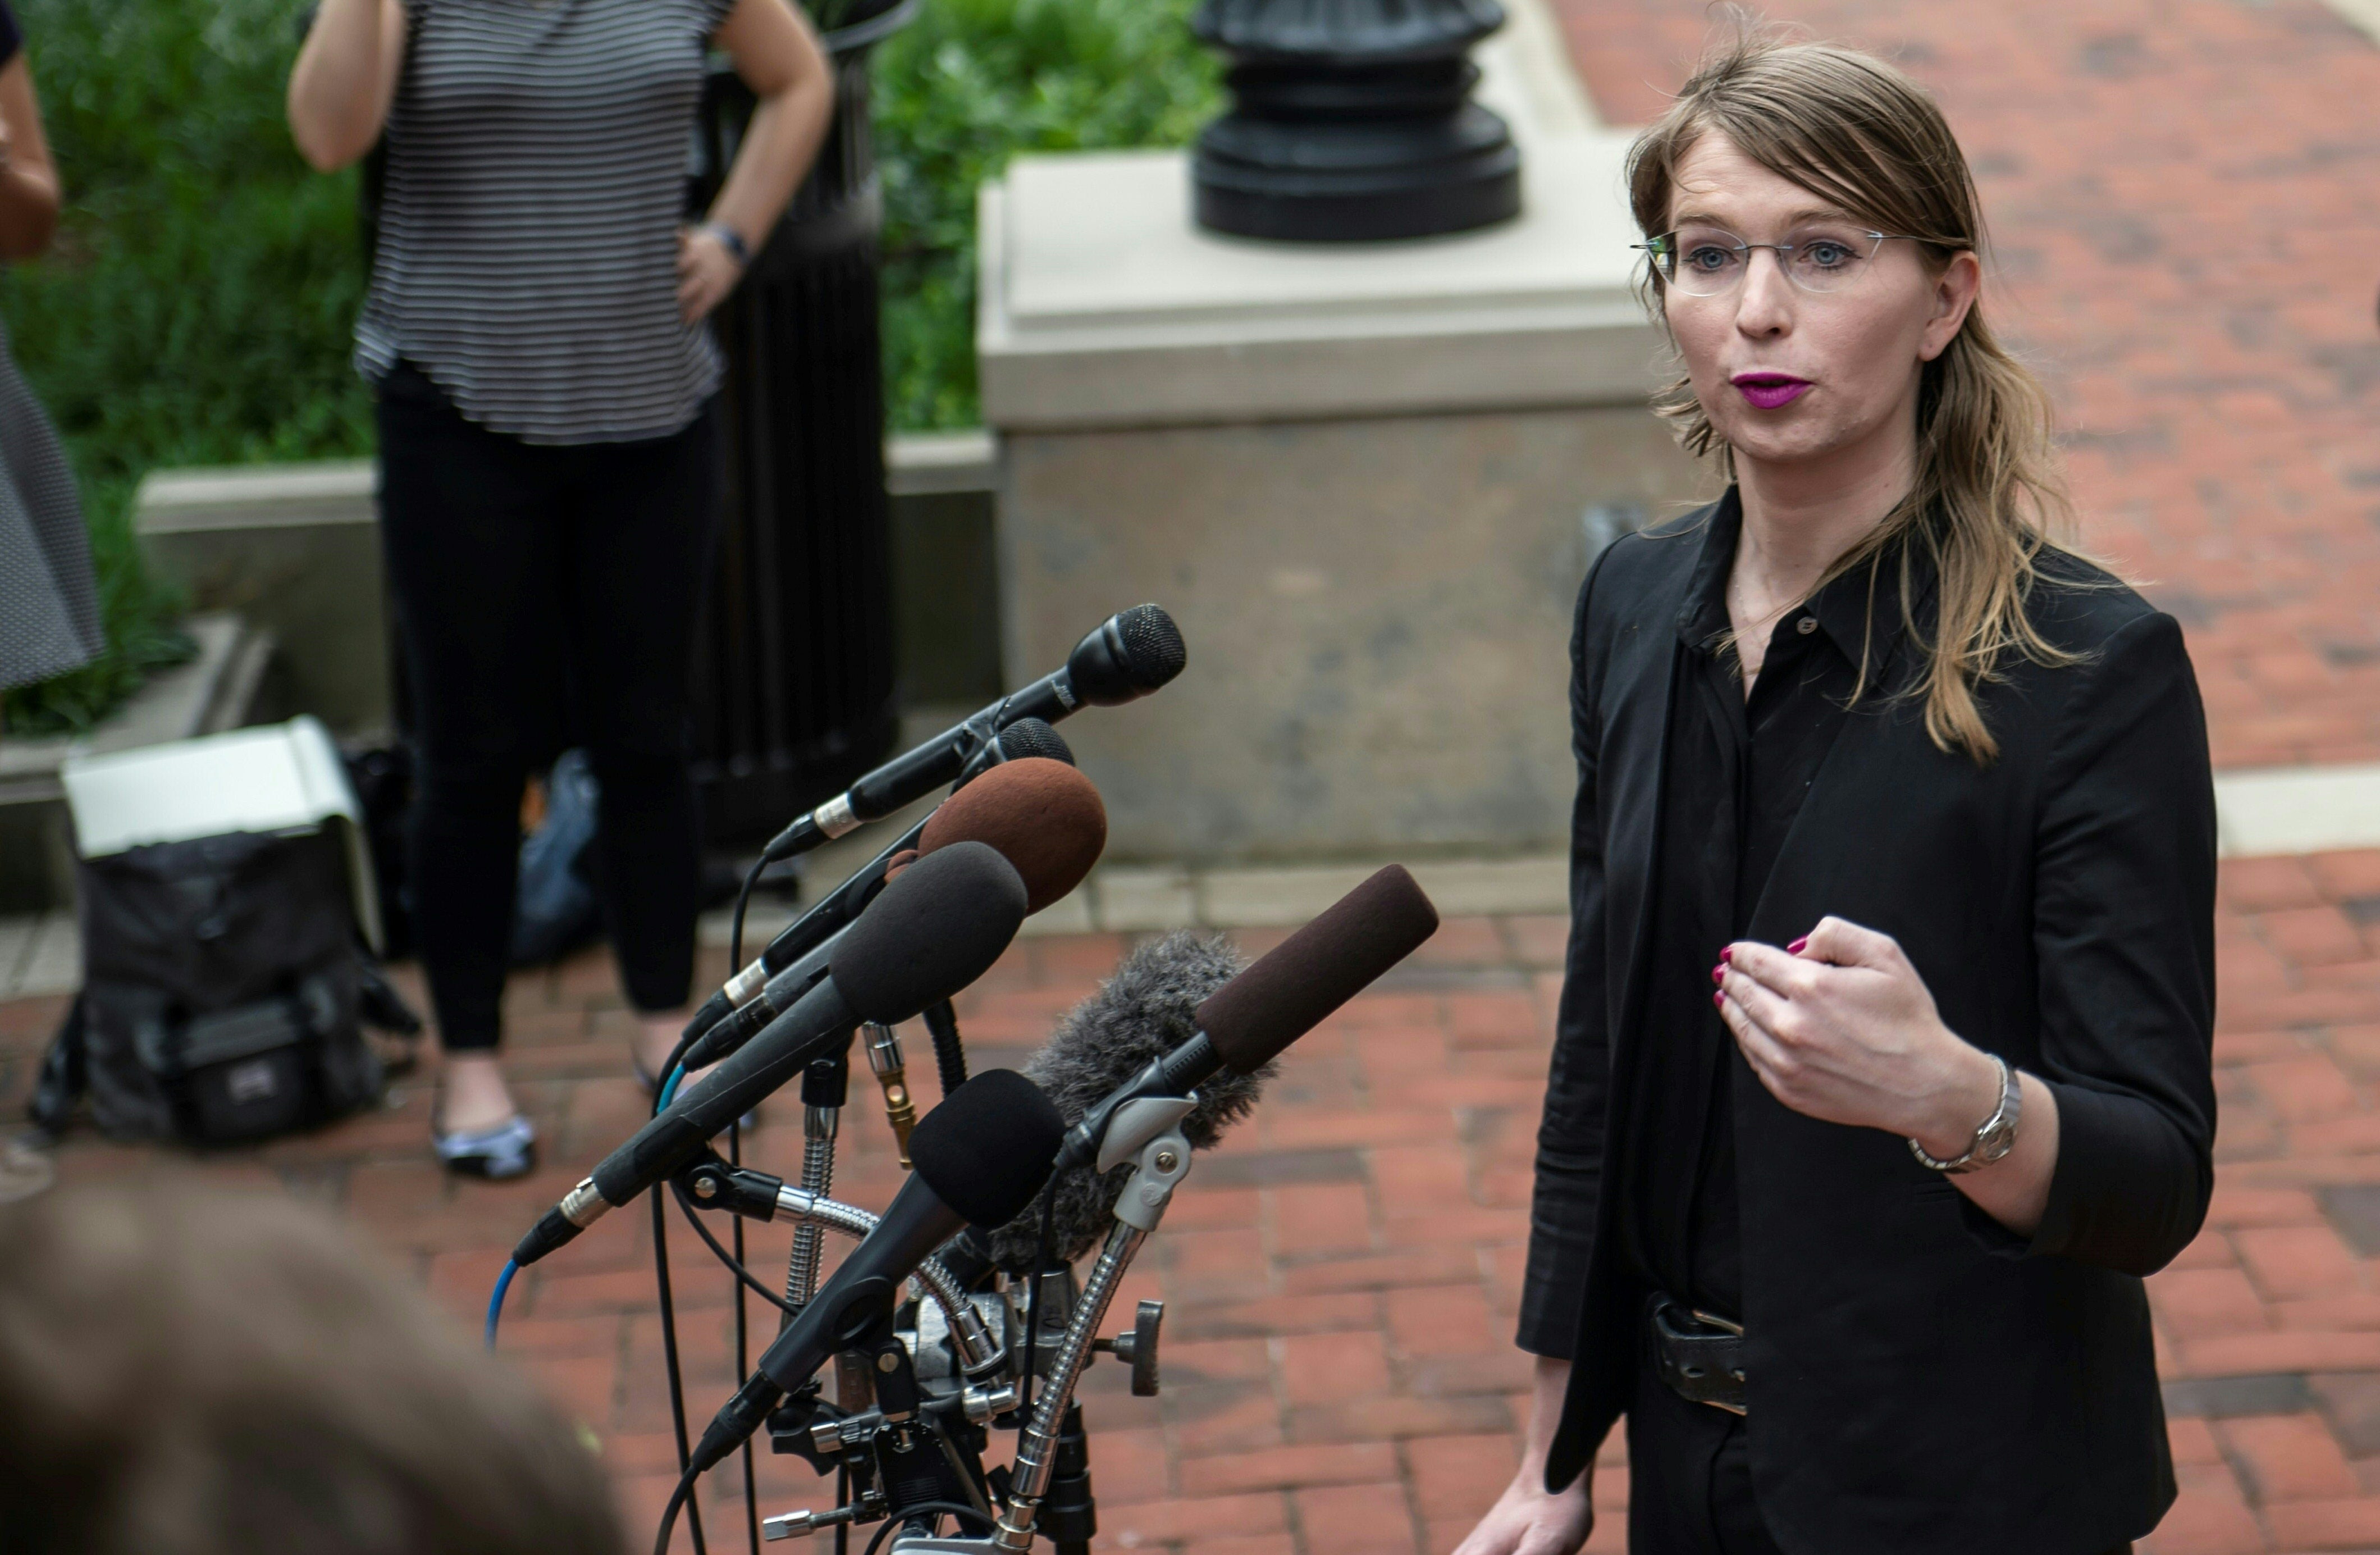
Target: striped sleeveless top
{"type": "Point", "coordinates": [535, 185]}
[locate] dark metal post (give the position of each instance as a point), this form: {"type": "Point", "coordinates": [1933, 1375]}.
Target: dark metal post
{"type": "Point", "coordinates": [794, 680]}
{"type": "Point", "coordinates": [1353, 122]}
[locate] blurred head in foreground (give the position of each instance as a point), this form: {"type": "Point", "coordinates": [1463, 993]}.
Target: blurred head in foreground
{"type": "Point", "coordinates": [201, 1374]}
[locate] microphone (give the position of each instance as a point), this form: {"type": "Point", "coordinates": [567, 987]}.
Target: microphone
{"type": "Point", "coordinates": [931, 933]}
{"type": "Point", "coordinates": [1125, 657]}
{"type": "Point", "coordinates": [979, 1159]}
{"type": "Point", "coordinates": [1040, 814]}
{"type": "Point", "coordinates": [1147, 1010]}
{"type": "Point", "coordinates": [1290, 990]}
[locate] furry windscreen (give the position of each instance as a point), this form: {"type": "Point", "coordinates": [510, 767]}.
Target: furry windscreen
{"type": "Point", "coordinates": [1147, 1010]}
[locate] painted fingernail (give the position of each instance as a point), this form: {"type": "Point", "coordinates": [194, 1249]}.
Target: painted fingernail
{"type": "Point", "coordinates": [1718, 1001]}
{"type": "Point", "coordinates": [1795, 948]}
{"type": "Point", "coordinates": [1718, 973]}
{"type": "Point", "coordinates": [1726, 954]}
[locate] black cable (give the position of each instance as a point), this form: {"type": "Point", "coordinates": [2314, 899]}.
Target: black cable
{"type": "Point", "coordinates": [950, 1053]}
{"type": "Point", "coordinates": [679, 1498]}
{"type": "Point", "coordinates": [841, 1498]}
{"type": "Point", "coordinates": [901, 1519]}
{"type": "Point", "coordinates": [733, 1265]}
{"type": "Point", "coordinates": [743, 1341]}
{"type": "Point", "coordinates": [676, 1383]}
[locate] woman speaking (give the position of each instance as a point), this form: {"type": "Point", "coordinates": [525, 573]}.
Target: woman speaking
{"type": "Point", "coordinates": [1882, 1070]}
{"type": "Point", "coordinates": [549, 457]}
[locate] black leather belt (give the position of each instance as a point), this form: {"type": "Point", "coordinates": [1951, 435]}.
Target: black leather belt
{"type": "Point", "coordinates": [1700, 1356]}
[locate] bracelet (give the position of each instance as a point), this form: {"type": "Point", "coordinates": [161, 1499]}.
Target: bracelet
{"type": "Point", "coordinates": [731, 240]}
{"type": "Point", "coordinates": [1995, 1137]}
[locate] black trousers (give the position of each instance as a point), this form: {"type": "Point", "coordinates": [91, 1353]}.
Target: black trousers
{"type": "Point", "coordinates": [546, 596]}
{"type": "Point", "coordinates": [1690, 1477]}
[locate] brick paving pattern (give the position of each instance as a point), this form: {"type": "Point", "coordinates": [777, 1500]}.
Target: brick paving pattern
{"type": "Point", "coordinates": [2181, 192]}
{"type": "Point", "coordinates": [1341, 1273]}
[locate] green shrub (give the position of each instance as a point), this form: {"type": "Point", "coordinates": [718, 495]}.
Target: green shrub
{"type": "Point", "coordinates": [964, 88]}
{"type": "Point", "coordinates": [197, 305]}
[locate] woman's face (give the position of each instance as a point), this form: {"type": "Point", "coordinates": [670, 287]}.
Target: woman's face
{"type": "Point", "coordinates": [1789, 375]}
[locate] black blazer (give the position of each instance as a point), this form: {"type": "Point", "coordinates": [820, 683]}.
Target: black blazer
{"type": "Point", "coordinates": [1919, 1378]}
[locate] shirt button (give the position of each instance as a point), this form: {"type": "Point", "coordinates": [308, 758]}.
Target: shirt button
{"type": "Point", "coordinates": [1807, 625]}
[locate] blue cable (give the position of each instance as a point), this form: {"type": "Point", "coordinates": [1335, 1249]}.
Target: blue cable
{"type": "Point", "coordinates": [496, 1298]}
{"type": "Point", "coordinates": [669, 1086]}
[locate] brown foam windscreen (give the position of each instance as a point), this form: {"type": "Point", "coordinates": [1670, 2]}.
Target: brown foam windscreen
{"type": "Point", "coordinates": [1299, 982]}
{"type": "Point", "coordinates": [1043, 816]}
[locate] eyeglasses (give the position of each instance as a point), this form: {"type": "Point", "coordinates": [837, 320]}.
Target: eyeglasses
{"type": "Point", "coordinates": [1710, 261]}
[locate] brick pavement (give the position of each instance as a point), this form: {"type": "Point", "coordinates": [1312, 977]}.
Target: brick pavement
{"type": "Point", "coordinates": [2181, 192]}
{"type": "Point", "coordinates": [1341, 1274]}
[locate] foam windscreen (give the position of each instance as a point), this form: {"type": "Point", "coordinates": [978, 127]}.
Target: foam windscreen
{"type": "Point", "coordinates": [930, 933]}
{"type": "Point", "coordinates": [988, 1148]}
{"type": "Point", "coordinates": [1043, 815]}
{"type": "Point", "coordinates": [1300, 981]}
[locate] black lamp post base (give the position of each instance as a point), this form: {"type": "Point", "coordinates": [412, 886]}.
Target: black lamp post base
{"type": "Point", "coordinates": [1303, 181]}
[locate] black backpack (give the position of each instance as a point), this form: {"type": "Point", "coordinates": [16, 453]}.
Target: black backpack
{"type": "Point", "coordinates": [224, 992]}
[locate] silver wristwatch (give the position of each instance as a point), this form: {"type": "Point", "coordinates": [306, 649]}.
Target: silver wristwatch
{"type": "Point", "coordinates": [1994, 1139]}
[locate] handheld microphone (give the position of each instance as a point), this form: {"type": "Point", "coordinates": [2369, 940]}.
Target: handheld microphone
{"type": "Point", "coordinates": [1146, 1011]}
{"type": "Point", "coordinates": [979, 1159]}
{"type": "Point", "coordinates": [1041, 815]}
{"type": "Point", "coordinates": [931, 933]}
{"type": "Point", "coordinates": [1125, 657]}
{"type": "Point", "coordinates": [1290, 989]}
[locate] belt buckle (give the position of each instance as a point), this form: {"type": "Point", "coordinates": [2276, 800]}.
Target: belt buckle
{"type": "Point", "coordinates": [1690, 1372]}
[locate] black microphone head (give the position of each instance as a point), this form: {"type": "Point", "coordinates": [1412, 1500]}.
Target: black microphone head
{"type": "Point", "coordinates": [1304, 979]}
{"type": "Point", "coordinates": [928, 933]}
{"type": "Point", "coordinates": [988, 1148]}
{"type": "Point", "coordinates": [1128, 655]}
{"type": "Point", "coordinates": [1146, 1011]}
{"type": "Point", "coordinates": [1030, 736]}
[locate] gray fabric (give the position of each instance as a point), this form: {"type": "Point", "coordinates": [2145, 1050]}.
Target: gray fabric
{"type": "Point", "coordinates": [49, 603]}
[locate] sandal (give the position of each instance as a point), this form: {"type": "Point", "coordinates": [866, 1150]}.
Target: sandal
{"type": "Point", "coordinates": [497, 1154]}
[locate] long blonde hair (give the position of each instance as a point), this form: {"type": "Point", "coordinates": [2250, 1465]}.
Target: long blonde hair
{"type": "Point", "coordinates": [1988, 498]}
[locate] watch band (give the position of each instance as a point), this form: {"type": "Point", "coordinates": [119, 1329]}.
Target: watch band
{"type": "Point", "coordinates": [731, 240]}
{"type": "Point", "coordinates": [1995, 1137]}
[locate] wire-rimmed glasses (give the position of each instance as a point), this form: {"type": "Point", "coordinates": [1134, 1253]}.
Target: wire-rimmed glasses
{"type": "Point", "coordinates": [1818, 257]}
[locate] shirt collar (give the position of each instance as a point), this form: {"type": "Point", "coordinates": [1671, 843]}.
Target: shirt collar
{"type": "Point", "coordinates": [1846, 608]}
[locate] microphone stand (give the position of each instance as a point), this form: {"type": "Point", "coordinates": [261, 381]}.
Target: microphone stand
{"type": "Point", "coordinates": [825, 1086]}
{"type": "Point", "coordinates": [1151, 1128]}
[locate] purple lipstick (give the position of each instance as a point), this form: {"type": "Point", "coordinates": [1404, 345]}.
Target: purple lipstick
{"type": "Point", "coordinates": [1769, 391]}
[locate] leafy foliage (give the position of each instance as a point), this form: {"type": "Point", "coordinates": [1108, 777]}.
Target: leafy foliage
{"type": "Point", "coordinates": [196, 307]}
{"type": "Point", "coordinates": [971, 83]}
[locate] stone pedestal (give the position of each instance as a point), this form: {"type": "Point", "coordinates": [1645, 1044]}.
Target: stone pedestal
{"type": "Point", "coordinates": [1365, 480]}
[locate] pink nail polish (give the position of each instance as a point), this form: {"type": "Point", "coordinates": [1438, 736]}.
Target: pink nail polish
{"type": "Point", "coordinates": [1718, 1001]}
{"type": "Point", "coordinates": [1718, 973]}
{"type": "Point", "coordinates": [1795, 948]}
{"type": "Point", "coordinates": [1726, 954]}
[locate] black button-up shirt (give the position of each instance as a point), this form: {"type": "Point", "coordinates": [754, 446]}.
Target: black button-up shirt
{"type": "Point", "coordinates": [1736, 771]}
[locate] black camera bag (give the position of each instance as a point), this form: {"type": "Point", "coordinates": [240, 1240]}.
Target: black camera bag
{"type": "Point", "coordinates": [222, 981]}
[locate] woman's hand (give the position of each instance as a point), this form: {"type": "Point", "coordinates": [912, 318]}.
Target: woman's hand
{"type": "Point", "coordinates": [1838, 1026]}
{"type": "Point", "coordinates": [1526, 1521]}
{"type": "Point", "coordinates": [706, 273]}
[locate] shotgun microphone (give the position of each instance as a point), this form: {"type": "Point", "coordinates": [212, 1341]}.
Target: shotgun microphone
{"type": "Point", "coordinates": [1290, 989]}
{"type": "Point", "coordinates": [1125, 657]}
{"type": "Point", "coordinates": [931, 933]}
{"type": "Point", "coordinates": [979, 1159]}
